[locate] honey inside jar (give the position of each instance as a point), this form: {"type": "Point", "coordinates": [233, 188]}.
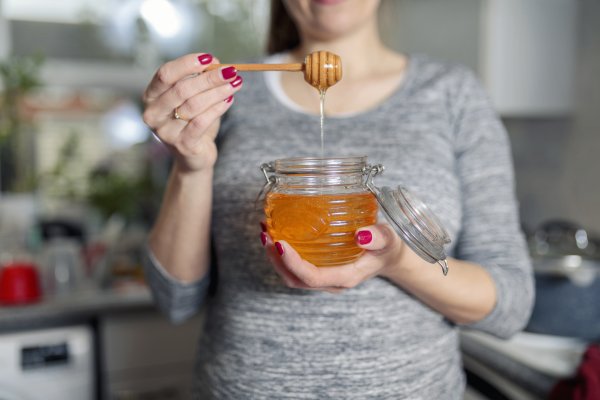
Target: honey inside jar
{"type": "Point", "coordinates": [321, 227]}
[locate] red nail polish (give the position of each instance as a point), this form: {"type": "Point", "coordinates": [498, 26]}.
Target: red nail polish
{"type": "Point", "coordinates": [364, 237]}
{"type": "Point", "coordinates": [228, 72]}
{"type": "Point", "coordinates": [263, 238]}
{"type": "Point", "coordinates": [205, 59]}
{"type": "Point", "coordinates": [237, 81]}
{"type": "Point", "coordinates": [229, 99]}
{"type": "Point", "coordinates": [263, 227]}
{"type": "Point", "coordinates": [279, 248]}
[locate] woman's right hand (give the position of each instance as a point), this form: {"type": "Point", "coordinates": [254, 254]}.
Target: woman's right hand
{"type": "Point", "coordinates": [183, 105]}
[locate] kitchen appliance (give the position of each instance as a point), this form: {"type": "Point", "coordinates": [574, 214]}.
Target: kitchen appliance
{"type": "Point", "coordinates": [566, 261]}
{"type": "Point", "coordinates": [61, 255]}
{"type": "Point", "coordinates": [63, 267]}
{"type": "Point", "coordinates": [525, 367]}
{"type": "Point", "coordinates": [19, 283]}
{"type": "Point", "coordinates": [48, 364]}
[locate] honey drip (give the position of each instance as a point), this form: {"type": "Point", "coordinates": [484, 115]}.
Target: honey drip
{"type": "Point", "coordinates": [321, 227]}
{"type": "Point", "coordinates": [322, 109]}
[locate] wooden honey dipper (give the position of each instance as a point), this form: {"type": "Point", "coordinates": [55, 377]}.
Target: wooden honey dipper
{"type": "Point", "coordinates": [322, 69]}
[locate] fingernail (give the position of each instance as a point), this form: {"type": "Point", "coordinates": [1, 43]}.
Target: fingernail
{"type": "Point", "coordinates": [237, 81]}
{"type": "Point", "coordinates": [263, 227]}
{"type": "Point", "coordinates": [229, 99]}
{"type": "Point", "coordinates": [263, 238]}
{"type": "Point", "coordinates": [205, 59]}
{"type": "Point", "coordinates": [228, 72]}
{"type": "Point", "coordinates": [364, 237]}
{"type": "Point", "coordinates": [279, 248]}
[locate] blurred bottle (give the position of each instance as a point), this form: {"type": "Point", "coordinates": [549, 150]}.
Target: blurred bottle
{"type": "Point", "coordinates": [62, 264]}
{"type": "Point", "coordinates": [61, 256]}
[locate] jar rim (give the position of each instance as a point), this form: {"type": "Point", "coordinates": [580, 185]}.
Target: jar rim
{"type": "Point", "coordinates": [320, 165]}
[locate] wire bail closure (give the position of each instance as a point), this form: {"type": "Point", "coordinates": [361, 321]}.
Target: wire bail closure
{"type": "Point", "coordinates": [266, 169]}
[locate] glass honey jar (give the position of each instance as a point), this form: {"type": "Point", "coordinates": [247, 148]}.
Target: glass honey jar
{"type": "Point", "coordinates": [317, 205]}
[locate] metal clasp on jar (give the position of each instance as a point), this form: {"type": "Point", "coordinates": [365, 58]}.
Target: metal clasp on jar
{"type": "Point", "coordinates": [267, 169]}
{"type": "Point", "coordinates": [372, 171]}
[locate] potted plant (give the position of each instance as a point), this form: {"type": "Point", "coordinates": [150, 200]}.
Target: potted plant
{"type": "Point", "coordinates": [18, 77]}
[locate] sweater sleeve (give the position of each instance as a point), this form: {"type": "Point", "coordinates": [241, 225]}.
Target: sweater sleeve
{"type": "Point", "coordinates": [491, 234]}
{"type": "Point", "coordinates": [178, 300]}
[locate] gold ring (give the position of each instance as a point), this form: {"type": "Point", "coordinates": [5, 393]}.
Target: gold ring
{"type": "Point", "coordinates": [176, 114]}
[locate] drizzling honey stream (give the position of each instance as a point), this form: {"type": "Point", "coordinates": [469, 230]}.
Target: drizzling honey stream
{"type": "Point", "coordinates": [322, 69]}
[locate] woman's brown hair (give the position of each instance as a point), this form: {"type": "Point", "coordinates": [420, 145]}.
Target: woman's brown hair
{"type": "Point", "coordinates": [283, 34]}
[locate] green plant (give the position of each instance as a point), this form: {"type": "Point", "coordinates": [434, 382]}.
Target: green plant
{"type": "Point", "coordinates": [111, 192]}
{"type": "Point", "coordinates": [63, 180]}
{"type": "Point", "coordinates": [18, 76]}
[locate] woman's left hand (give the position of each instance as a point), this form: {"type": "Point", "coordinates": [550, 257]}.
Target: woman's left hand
{"type": "Point", "coordinates": [385, 252]}
{"type": "Point", "coordinates": [466, 295]}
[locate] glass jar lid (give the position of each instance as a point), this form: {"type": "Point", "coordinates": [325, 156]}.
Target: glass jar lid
{"type": "Point", "coordinates": [416, 224]}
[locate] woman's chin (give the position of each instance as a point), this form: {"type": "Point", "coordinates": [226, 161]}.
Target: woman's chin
{"type": "Point", "coordinates": [328, 2]}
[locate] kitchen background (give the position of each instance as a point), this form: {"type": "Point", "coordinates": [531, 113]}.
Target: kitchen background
{"type": "Point", "coordinates": [81, 176]}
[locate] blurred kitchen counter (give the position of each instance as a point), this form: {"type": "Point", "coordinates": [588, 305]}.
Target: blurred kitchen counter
{"type": "Point", "coordinates": [80, 306]}
{"type": "Point", "coordinates": [137, 352]}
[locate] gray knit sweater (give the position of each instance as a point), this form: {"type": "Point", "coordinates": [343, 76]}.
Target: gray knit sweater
{"type": "Point", "coordinates": [436, 135]}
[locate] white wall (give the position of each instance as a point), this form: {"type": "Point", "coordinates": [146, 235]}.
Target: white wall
{"type": "Point", "coordinates": [558, 160]}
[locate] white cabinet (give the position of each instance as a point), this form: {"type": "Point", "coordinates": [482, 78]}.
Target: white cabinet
{"type": "Point", "coordinates": [524, 51]}
{"type": "Point", "coordinates": [146, 357]}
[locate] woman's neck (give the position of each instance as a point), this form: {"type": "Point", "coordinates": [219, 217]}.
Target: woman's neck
{"type": "Point", "coordinates": [359, 50]}
{"type": "Point", "coordinates": [368, 67]}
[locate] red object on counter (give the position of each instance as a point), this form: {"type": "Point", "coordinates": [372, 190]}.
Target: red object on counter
{"type": "Point", "coordinates": [19, 284]}
{"type": "Point", "coordinates": [585, 385]}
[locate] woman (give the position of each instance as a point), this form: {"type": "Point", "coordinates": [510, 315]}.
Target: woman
{"type": "Point", "coordinates": [273, 328]}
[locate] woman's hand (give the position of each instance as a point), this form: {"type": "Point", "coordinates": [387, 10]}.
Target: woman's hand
{"type": "Point", "coordinates": [184, 104]}
{"type": "Point", "coordinates": [466, 295]}
{"type": "Point", "coordinates": [385, 254]}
